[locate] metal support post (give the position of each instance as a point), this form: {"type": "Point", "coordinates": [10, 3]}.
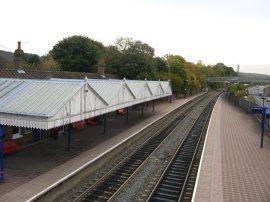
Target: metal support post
{"type": "Point", "coordinates": [142, 109]}
{"type": "Point", "coordinates": [69, 138]}
{"type": "Point", "coordinates": [246, 106]}
{"type": "Point", "coordinates": [127, 116]}
{"type": "Point", "coordinates": [104, 123]}
{"type": "Point", "coordinates": [2, 153]}
{"type": "Point", "coordinates": [170, 99]}
{"type": "Point", "coordinates": [263, 119]}
{"type": "Point", "coordinates": [226, 88]}
{"type": "Point", "coordinates": [153, 106]}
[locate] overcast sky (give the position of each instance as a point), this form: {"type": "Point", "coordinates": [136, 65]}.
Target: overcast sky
{"type": "Point", "coordinates": [228, 31]}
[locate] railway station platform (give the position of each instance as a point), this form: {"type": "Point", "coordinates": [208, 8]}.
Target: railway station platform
{"type": "Point", "coordinates": [38, 167]}
{"type": "Point", "coordinates": [233, 166]}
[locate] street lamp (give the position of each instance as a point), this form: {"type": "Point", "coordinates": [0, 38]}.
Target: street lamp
{"type": "Point", "coordinates": [184, 88]}
{"type": "Point", "coordinates": [262, 111]}
{"type": "Point", "coordinates": [191, 89]}
{"type": "Point", "coordinates": [246, 85]}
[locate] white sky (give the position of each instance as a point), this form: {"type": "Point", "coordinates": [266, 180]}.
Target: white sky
{"type": "Point", "coordinates": [229, 31]}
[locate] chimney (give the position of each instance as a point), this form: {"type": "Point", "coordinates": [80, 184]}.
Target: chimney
{"type": "Point", "coordinates": [19, 45]}
{"type": "Point", "coordinates": [18, 57]}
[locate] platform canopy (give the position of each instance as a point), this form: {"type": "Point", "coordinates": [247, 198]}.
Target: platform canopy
{"type": "Point", "coordinates": [46, 104]}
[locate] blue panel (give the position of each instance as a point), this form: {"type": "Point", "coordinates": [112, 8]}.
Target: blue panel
{"type": "Point", "coordinates": [267, 113]}
{"type": "Point", "coordinates": [1, 131]}
{"type": "Point", "coordinates": [256, 110]}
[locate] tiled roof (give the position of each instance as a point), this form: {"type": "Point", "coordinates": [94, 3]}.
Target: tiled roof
{"type": "Point", "coordinates": [34, 74]}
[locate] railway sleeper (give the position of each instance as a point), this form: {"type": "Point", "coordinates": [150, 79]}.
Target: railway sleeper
{"type": "Point", "coordinates": [156, 199]}
{"type": "Point", "coordinates": [175, 184]}
{"type": "Point", "coordinates": [168, 191]}
{"type": "Point", "coordinates": [126, 172]}
{"type": "Point", "coordinates": [180, 171]}
{"type": "Point", "coordinates": [130, 165]}
{"type": "Point", "coordinates": [166, 196]}
{"type": "Point", "coordinates": [173, 175]}
{"type": "Point", "coordinates": [169, 188]}
{"type": "Point", "coordinates": [108, 185]}
{"type": "Point", "coordinates": [96, 198]}
{"type": "Point", "coordinates": [175, 171]}
{"type": "Point", "coordinates": [123, 174]}
{"type": "Point", "coordinates": [117, 180]}
{"type": "Point", "coordinates": [182, 166]}
{"type": "Point", "coordinates": [172, 179]}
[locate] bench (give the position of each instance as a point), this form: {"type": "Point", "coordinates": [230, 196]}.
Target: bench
{"type": "Point", "coordinates": [11, 146]}
{"type": "Point", "coordinates": [121, 112]}
{"type": "Point", "coordinates": [78, 125]}
{"type": "Point", "coordinates": [91, 122]}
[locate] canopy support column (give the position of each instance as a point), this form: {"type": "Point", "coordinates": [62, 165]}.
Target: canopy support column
{"type": "Point", "coordinates": [2, 153]}
{"type": "Point", "coordinates": [104, 123]}
{"type": "Point", "coordinates": [69, 138]}
{"type": "Point", "coordinates": [153, 106]}
{"type": "Point", "coordinates": [142, 109]}
{"type": "Point", "coordinates": [127, 116]}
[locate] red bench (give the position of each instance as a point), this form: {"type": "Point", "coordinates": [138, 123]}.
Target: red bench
{"type": "Point", "coordinates": [11, 146]}
{"type": "Point", "coordinates": [78, 125]}
{"type": "Point", "coordinates": [91, 122]}
{"type": "Point", "coordinates": [121, 112]}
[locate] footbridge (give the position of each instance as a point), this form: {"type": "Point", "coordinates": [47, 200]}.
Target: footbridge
{"type": "Point", "coordinates": [237, 79]}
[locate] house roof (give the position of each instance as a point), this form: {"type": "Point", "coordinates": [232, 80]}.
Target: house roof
{"type": "Point", "coordinates": [34, 74]}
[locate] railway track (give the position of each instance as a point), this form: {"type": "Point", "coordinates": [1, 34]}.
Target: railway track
{"type": "Point", "coordinates": [110, 183]}
{"type": "Point", "coordinates": [173, 183]}
{"type": "Point", "coordinates": [108, 186]}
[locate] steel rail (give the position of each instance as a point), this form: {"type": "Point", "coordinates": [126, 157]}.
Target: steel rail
{"type": "Point", "coordinates": [103, 179]}
{"type": "Point", "coordinates": [172, 189]}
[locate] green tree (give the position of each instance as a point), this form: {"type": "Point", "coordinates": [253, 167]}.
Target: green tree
{"type": "Point", "coordinates": [48, 64]}
{"type": "Point", "coordinates": [77, 53]}
{"type": "Point", "coordinates": [161, 64]}
{"type": "Point", "coordinates": [113, 59]}
{"type": "Point", "coordinates": [131, 59]}
{"type": "Point", "coordinates": [177, 65]}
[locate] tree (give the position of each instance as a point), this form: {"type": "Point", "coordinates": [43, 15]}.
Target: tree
{"type": "Point", "coordinates": [177, 65]}
{"type": "Point", "coordinates": [48, 64]}
{"type": "Point", "coordinates": [161, 64]}
{"type": "Point", "coordinates": [132, 59]}
{"type": "Point", "coordinates": [113, 59]}
{"type": "Point", "coordinates": [77, 53]}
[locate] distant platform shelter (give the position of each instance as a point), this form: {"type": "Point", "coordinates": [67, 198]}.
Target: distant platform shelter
{"type": "Point", "coordinates": [47, 104]}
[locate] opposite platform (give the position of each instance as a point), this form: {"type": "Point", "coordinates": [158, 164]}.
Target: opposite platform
{"type": "Point", "coordinates": [233, 166]}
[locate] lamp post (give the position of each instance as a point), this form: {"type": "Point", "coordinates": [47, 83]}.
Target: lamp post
{"type": "Point", "coordinates": [226, 87]}
{"type": "Point", "coordinates": [184, 87]}
{"type": "Point", "coordinates": [262, 111]}
{"type": "Point", "coordinates": [246, 85]}
{"type": "Point", "coordinates": [191, 89]}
